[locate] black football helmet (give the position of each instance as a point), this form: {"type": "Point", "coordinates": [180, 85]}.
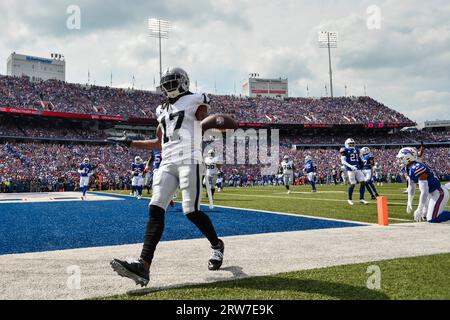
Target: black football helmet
{"type": "Point", "coordinates": [175, 82]}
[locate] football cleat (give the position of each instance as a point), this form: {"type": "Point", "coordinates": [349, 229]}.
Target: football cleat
{"type": "Point", "coordinates": [350, 202]}
{"type": "Point", "coordinates": [132, 269]}
{"type": "Point", "coordinates": [364, 202]}
{"type": "Point", "coordinates": [216, 260]}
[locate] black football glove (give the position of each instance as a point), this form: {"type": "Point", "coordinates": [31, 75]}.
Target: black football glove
{"type": "Point", "coordinates": [124, 140]}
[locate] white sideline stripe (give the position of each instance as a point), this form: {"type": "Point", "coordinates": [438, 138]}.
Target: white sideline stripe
{"type": "Point", "coordinates": [46, 197]}
{"type": "Point", "coordinates": [181, 263]}
{"type": "Point", "coordinates": [288, 198]}
{"type": "Point", "coordinates": [285, 214]}
{"type": "Point", "coordinates": [398, 219]}
{"type": "Point", "coordinates": [299, 215]}
{"type": "Point", "coordinates": [309, 199]}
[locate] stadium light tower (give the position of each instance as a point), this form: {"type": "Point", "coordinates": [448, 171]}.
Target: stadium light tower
{"type": "Point", "coordinates": [329, 40]}
{"type": "Point", "coordinates": [159, 29]}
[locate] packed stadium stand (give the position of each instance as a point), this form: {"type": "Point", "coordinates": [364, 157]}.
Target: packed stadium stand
{"type": "Point", "coordinates": [48, 128]}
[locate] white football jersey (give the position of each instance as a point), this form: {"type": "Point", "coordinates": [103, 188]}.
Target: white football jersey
{"type": "Point", "coordinates": [211, 166]}
{"type": "Point", "coordinates": [377, 169]}
{"type": "Point", "coordinates": [181, 131]}
{"type": "Point", "coordinates": [288, 167]}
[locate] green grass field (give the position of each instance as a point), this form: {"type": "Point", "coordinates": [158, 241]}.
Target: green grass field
{"type": "Point", "coordinates": [414, 278]}
{"type": "Point", "coordinates": [329, 202]}
{"type": "Point", "coordinates": [418, 278]}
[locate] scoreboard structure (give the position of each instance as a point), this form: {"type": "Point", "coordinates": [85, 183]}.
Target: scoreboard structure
{"type": "Point", "coordinates": [37, 68]}
{"type": "Point", "coordinates": [272, 88]}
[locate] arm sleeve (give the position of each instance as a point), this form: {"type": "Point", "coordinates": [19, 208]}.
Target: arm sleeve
{"type": "Point", "coordinates": [424, 193]}
{"type": "Point", "coordinates": [411, 192]}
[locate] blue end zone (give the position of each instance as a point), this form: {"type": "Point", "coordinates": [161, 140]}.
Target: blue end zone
{"type": "Point", "coordinates": [38, 227]}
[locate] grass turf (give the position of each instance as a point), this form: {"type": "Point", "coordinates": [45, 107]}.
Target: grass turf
{"type": "Point", "coordinates": [412, 278]}
{"type": "Point", "coordinates": [329, 202]}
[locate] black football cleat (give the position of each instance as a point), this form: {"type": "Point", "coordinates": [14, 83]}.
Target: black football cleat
{"type": "Point", "coordinates": [133, 270]}
{"type": "Point", "coordinates": [216, 257]}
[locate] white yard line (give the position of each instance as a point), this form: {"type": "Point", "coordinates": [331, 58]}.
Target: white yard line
{"type": "Point", "coordinates": [284, 214]}
{"type": "Point", "coordinates": [50, 275]}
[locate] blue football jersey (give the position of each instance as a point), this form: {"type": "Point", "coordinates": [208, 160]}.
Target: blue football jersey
{"type": "Point", "coordinates": [367, 161]}
{"type": "Point", "coordinates": [419, 169]}
{"type": "Point", "coordinates": [310, 167]}
{"type": "Point", "coordinates": [138, 169]}
{"type": "Point", "coordinates": [157, 158]}
{"type": "Point", "coordinates": [352, 157]}
{"type": "Point", "coordinates": [86, 169]}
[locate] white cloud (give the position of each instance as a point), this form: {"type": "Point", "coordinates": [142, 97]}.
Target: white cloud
{"type": "Point", "coordinates": [405, 64]}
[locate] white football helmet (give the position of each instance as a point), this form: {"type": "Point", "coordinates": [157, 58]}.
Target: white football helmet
{"type": "Point", "coordinates": [175, 82]}
{"type": "Point", "coordinates": [138, 160]}
{"type": "Point", "coordinates": [308, 158]}
{"type": "Point", "coordinates": [365, 151]}
{"type": "Point", "coordinates": [350, 143]}
{"type": "Point", "coordinates": [407, 156]}
{"type": "Point", "coordinates": [86, 161]}
{"type": "Point", "coordinates": [286, 158]}
{"type": "Point", "coordinates": [212, 153]}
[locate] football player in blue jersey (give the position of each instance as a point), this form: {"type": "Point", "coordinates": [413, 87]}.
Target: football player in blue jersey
{"type": "Point", "coordinates": [137, 171]}
{"type": "Point", "coordinates": [310, 170]}
{"type": "Point", "coordinates": [368, 161]}
{"type": "Point", "coordinates": [86, 172]}
{"type": "Point", "coordinates": [433, 196]}
{"type": "Point", "coordinates": [156, 160]}
{"type": "Point", "coordinates": [350, 158]}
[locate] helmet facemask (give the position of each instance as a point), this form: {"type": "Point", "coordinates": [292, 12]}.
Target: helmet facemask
{"type": "Point", "coordinates": [350, 144]}
{"type": "Point", "coordinates": [174, 83]}
{"type": "Point", "coordinates": [407, 156]}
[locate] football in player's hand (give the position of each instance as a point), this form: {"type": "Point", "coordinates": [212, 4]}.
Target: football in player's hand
{"type": "Point", "coordinates": [220, 122]}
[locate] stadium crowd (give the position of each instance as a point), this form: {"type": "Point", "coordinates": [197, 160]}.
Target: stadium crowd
{"type": "Point", "coordinates": [364, 138]}
{"type": "Point", "coordinates": [20, 92]}
{"type": "Point", "coordinates": [50, 132]}
{"type": "Point", "coordinates": [75, 98]}
{"type": "Point", "coordinates": [38, 166]}
{"type": "Point", "coordinates": [52, 167]}
{"type": "Point", "coordinates": [342, 110]}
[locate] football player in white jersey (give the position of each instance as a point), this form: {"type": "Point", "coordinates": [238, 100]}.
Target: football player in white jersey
{"type": "Point", "coordinates": [179, 136]}
{"type": "Point", "coordinates": [378, 170]}
{"type": "Point", "coordinates": [287, 168]}
{"type": "Point", "coordinates": [212, 170]}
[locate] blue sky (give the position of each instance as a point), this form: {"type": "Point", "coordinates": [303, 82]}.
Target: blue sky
{"type": "Point", "coordinates": [404, 63]}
